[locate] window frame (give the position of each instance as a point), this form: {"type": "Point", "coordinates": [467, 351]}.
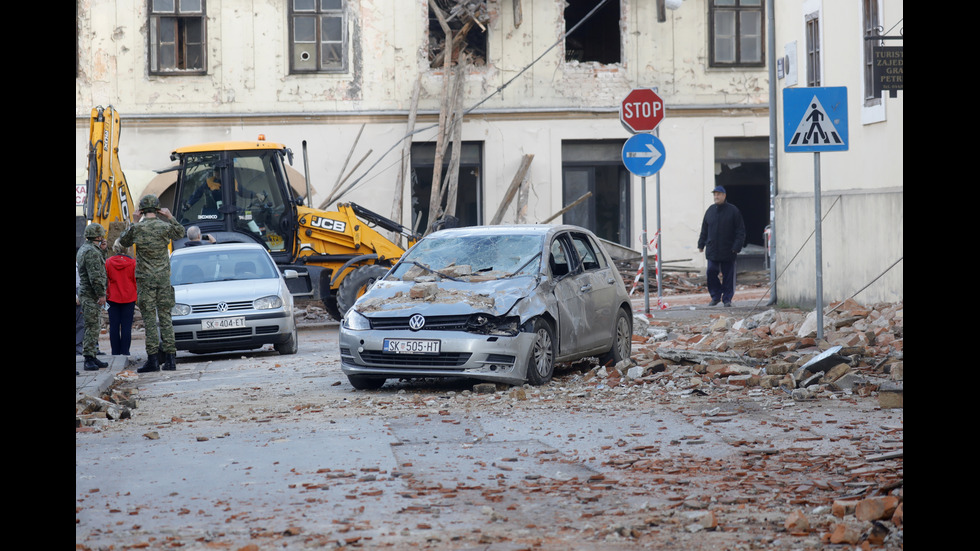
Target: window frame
{"type": "Point", "coordinates": [739, 9]}
{"type": "Point", "coordinates": [156, 16]}
{"type": "Point", "coordinates": [814, 73]}
{"type": "Point", "coordinates": [319, 13]}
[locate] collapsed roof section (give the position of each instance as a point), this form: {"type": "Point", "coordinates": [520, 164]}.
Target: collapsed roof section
{"type": "Point", "coordinates": [457, 18]}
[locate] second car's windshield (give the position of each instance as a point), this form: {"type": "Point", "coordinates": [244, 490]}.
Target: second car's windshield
{"type": "Point", "coordinates": [205, 266]}
{"type": "Point", "coordinates": [469, 257]}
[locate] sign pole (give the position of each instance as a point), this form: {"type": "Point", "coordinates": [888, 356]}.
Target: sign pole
{"type": "Point", "coordinates": [660, 236]}
{"type": "Point", "coordinates": [646, 271]}
{"type": "Point", "coordinates": [819, 243]}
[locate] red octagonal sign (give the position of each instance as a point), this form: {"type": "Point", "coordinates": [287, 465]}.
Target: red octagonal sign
{"type": "Point", "coordinates": [642, 110]}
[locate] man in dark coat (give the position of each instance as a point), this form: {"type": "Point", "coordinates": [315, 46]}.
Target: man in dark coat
{"type": "Point", "coordinates": [722, 237]}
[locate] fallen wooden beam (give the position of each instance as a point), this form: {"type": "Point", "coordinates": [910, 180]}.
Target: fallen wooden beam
{"type": "Point", "coordinates": [584, 196]}
{"type": "Point", "coordinates": [515, 184]}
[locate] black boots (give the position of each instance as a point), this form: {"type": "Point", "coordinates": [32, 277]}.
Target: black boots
{"type": "Point", "coordinates": [93, 364]}
{"type": "Point", "coordinates": [151, 364]}
{"type": "Point", "coordinates": [161, 360]}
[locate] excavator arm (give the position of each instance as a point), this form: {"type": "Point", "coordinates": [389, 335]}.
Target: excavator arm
{"type": "Point", "coordinates": [108, 199]}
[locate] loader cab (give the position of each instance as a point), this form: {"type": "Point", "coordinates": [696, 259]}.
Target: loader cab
{"type": "Point", "coordinates": [238, 191]}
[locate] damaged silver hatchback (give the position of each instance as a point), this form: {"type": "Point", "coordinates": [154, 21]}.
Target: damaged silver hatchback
{"type": "Point", "coordinates": [492, 303]}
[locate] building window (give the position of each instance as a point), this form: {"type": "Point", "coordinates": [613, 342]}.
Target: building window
{"type": "Point", "coordinates": [813, 50]}
{"type": "Point", "coordinates": [598, 39]}
{"type": "Point", "coordinates": [318, 36]}
{"type": "Point", "coordinates": [596, 167]}
{"type": "Point", "coordinates": [177, 37]}
{"type": "Point", "coordinates": [872, 27]}
{"type": "Point", "coordinates": [736, 33]}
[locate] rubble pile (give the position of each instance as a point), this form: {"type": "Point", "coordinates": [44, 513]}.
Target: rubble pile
{"type": "Point", "coordinates": [117, 403]}
{"type": "Point", "coordinates": [861, 352]}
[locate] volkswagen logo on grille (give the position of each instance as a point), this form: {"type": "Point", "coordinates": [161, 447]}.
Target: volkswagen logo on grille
{"type": "Point", "coordinates": [416, 322]}
{"type": "Point", "coordinates": [222, 306]}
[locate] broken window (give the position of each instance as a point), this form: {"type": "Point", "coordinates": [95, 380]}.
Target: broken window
{"type": "Point", "coordinates": [736, 33]}
{"type": "Point", "coordinates": [466, 21]}
{"type": "Point", "coordinates": [469, 194]}
{"type": "Point", "coordinates": [596, 167]}
{"type": "Point", "coordinates": [177, 37]}
{"type": "Point", "coordinates": [318, 36]}
{"type": "Point", "coordinates": [598, 39]}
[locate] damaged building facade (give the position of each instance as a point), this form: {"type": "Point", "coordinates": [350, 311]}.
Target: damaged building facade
{"type": "Point", "coordinates": [833, 44]}
{"type": "Point", "coordinates": [374, 89]}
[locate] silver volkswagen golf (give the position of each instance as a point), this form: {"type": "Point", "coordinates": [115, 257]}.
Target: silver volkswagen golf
{"type": "Point", "coordinates": [493, 303]}
{"type": "Point", "coordinates": [231, 297]}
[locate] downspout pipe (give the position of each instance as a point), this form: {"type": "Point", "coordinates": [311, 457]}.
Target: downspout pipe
{"type": "Point", "coordinates": [773, 141]}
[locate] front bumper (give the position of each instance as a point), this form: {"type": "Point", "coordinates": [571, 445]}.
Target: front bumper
{"type": "Point", "coordinates": [493, 358]}
{"type": "Point", "coordinates": [273, 327]}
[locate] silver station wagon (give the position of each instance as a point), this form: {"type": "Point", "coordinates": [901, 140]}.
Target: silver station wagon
{"type": "Point", "coordinates": [231, 297]}
{"type": "Point", "coordinates": [492, 303]}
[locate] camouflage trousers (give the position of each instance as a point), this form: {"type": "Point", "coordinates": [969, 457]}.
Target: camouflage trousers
{"type": "Point", "coordinates": [92, 316]}
{"type": "Point", "coordinates": [155, 302]}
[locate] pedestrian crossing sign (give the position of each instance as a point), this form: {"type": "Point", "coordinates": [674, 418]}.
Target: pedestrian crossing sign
{"type": "Point", "coordinates": [815, 119]}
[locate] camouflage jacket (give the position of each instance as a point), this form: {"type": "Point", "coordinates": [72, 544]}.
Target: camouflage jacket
{"type": "Point", "coordinates": [91, 270]}
{"type": "Point", "coordinates": [152, 238]}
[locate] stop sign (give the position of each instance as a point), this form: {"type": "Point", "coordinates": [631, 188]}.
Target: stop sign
{"type": "Point", "coordinates": [642, 110]}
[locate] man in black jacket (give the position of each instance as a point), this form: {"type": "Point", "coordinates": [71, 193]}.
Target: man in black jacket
{"type": "Point", "coordinates": [722, 237]}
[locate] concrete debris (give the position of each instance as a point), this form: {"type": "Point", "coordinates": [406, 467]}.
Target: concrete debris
{"type": "Point", "coordinates": [861, 352]}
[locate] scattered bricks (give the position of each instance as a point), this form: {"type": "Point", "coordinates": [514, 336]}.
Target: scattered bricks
{"type": "Point", "coordinates": [797, 523]}
{"type": "Point", "coordinates": [779, 368]}
{"type": "Point", "coordinates": [518, 393]}
{"type": "Point", "coordinates": [890, 395]}
{"type": "Point", "coordinates": [896, 371]}
{"type": "Point", "coordinates": [743, 380]}
{"type": "Point", "coordinates": [770, 381]}
{"type": "Point", "coordinates": [849, 381]}
{"type": "Point", "coordinates": [876, 508]}
{"type": "Point", "coordinates": [841, 508]}
{"type": "Point", "coordinates": [485, 388]}
{"type": "Point", "coordinates": [835, 373]}
{"type": "Point", "coordinates": [877, 533]}
{"type": "Point", "coordinates": [843, 533]}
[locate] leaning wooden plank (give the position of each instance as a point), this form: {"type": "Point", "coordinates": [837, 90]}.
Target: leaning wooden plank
{"type": "Point", "coordinates": [512, 190]}
{"type": "Point", "coordinates": [404, 165]}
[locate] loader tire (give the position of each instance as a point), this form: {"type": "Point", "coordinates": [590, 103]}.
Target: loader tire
{"type": "Point", "coordinates": [330, 305]}
{"type": "Point", "coordinates": [356, 284]}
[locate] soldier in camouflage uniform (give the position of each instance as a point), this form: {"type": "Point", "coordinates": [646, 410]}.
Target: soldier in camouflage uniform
{"type": "Point", "coordinates": [90, 260]}
{"type": "Point", "coordinates": [154, 294]}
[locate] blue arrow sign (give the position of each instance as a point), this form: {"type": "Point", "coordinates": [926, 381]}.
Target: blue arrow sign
{"type": "Point", "coordinates": [644, 154]}
{"type": "Point", "coordinates": [815, 119]}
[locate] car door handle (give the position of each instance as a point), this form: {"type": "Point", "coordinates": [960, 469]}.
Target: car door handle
{"type": "Point", "coordinates": [586, 288]}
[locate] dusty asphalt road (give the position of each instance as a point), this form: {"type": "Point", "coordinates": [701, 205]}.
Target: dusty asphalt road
{"type": "Point", "coordinates": [261, 451]}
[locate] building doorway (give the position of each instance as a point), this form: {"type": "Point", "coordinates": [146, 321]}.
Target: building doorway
{"type": "Point", "coordinates": [742, 167]}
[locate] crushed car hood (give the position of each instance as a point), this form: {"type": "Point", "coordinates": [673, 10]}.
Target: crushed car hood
{"type": "Point", "coordinates": [445, 297]}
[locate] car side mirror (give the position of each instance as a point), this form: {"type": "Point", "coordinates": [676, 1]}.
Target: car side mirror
{"type": "Point", "coordinates": [290, 274]}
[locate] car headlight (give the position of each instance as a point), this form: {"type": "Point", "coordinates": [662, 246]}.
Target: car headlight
{"type": "Point", "coordinates": [269, 302]}
{"type": "Point", "coordinates": [355, 321]}
{"type": "Point", "coordinates": [180, 310]}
